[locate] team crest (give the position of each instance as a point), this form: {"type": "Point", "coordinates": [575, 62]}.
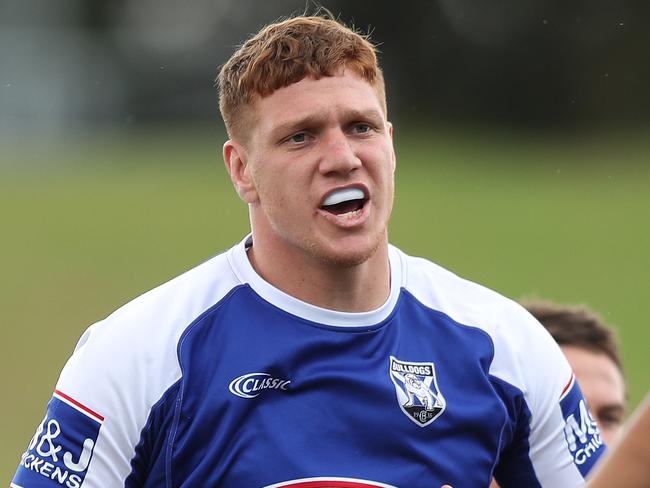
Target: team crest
{"type": "Point", "coordinates": [417, 390]}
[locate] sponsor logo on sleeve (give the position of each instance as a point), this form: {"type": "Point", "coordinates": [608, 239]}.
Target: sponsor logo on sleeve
{"type": "Point", "coordinates": [62, 447]}
{"type": "Point", "coordinates": [417, 390]}
{"type": "Point", "coordinates": [580, 429]}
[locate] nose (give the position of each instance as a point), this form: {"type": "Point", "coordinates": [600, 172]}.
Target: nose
{"type": "Point", "coordinates": [339, 156]}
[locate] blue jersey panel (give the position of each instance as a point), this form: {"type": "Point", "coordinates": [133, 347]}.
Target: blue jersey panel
{"type": "Point", "coordinates": [267, 397]}
{"type": "Point", "coordinates": [514, 466]}
{"type": "Point", "coordinates": [581, 431]}
{"type": "Point", "coordinates": [149, 465]}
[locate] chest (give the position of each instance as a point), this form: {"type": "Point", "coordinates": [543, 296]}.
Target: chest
{"type": "Point", "coordinates": [405, 404]}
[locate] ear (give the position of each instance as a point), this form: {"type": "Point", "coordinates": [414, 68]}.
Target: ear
{"type": "Point", "coordinates": [236, 161]}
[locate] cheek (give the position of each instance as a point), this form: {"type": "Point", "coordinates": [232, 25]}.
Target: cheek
{"type": "Point", "coordinates": [391, 164]}
{"type": "Point", "coordinates": [265, 182]}
{"type": "Point", "coordinates": [390, 185]}
{"type": "Point", "coordinates": [381, 165]}
{"type": "Point", "coordinates": [278, 192]}
{"type": "Point", "coordinates": [609, 433]}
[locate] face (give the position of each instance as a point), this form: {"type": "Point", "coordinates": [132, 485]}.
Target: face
{"type": "Point", "coordinates": [602, 385]}
{"type": "Point", "coordinates": [317, 170]}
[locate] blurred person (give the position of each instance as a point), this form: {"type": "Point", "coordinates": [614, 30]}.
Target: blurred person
{"type": "Point", "coordinates": [628, 463]}
{"type": "Point", "coordinates": [592, 349]}
{"type": "Point", "coordinates": [313, 353]}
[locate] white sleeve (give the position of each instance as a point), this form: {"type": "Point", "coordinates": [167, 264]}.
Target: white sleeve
{"type": "Point", "coordinates": [550, 439]}
{"type": "Point", "coordinates": [554, 427]}
{"type": "Point", "coordinates": [95, 417]}
{"type": "Point", "coordinates": [119, 382]}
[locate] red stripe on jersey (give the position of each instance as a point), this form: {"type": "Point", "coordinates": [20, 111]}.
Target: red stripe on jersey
{"type": "Point", "coordinates": [323, 483]}
{"type": "Point", "coordinates": [80, 405]}
{"type": "Point", "coordinates": [330, 484]}
{"type": "Point", "coordinates": [568, 385]}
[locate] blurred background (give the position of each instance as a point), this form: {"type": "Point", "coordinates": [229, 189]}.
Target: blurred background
{"type": "Point", "coordinates": [521, 132]}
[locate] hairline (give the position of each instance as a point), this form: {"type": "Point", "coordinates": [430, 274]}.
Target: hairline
{"type": "Point", "coordinates": [247, 115]}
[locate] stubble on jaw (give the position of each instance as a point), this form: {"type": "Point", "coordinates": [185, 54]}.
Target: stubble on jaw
{"type": "Point", "coordinates": [340, 260]}
{"type": "Point", "coordinates": [349, 260]}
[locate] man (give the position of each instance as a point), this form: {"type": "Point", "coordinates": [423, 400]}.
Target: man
{"type": "Point", "coordinates": [283, 361]}
{"type": "Point", "coordinates": [593, 353]}
{"type": "Point", "coordinates": [628, 464]}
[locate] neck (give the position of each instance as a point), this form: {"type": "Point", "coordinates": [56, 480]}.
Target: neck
{"type": "Point", "coordinates": [359, 288]}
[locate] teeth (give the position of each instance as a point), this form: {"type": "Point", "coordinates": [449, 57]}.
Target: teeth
{"type": "Point", "coordinates": [350, 215]}
{"type": "Point", "coordinates": [343, 195]}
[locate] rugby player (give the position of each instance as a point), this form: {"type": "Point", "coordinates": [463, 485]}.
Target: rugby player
{"type": "Point", "coordinates": [313, 353]}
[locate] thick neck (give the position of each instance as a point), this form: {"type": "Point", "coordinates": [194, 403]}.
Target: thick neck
{"type": "Point", "coordinates": [359, 288]}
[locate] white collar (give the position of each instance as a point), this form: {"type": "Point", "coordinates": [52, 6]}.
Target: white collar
{"type": "Point", "coordinates": [246, 274]}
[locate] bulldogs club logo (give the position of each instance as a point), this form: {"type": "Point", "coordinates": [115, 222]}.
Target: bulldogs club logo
{"type": "Point", "coordinates": [417, 390]}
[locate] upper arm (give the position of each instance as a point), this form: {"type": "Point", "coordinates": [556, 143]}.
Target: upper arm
{"type": "Point", "coordinates": [96, 417]}
{"type": "Point", "coordinates": [555, 440]}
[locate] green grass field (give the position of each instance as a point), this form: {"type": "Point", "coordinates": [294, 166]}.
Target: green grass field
{"type": "Point", "coordinates": [87, 226]}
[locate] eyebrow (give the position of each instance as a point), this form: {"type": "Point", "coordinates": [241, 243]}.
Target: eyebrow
{"type": "Point", "coordinates": [612, 408]}
{"type": "Point", "coordinates": [320, 119]}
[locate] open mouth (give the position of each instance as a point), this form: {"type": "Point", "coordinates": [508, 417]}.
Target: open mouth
{"type": "Point", "coordinates": [344, 201]}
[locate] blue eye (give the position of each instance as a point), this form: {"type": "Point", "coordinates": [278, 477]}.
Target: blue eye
{"type": "Point", "coordinates": [362, 128]}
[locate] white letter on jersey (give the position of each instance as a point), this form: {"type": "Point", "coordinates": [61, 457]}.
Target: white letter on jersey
{"type": "Point", "coordinates": [84, 458]}
{"type": "Point", "coordinates": [586, 427]}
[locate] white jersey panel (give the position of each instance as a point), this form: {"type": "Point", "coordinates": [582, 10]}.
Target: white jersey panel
{"type": "Point", "coordinates": [525, 356]}
{"type": "Point", "coordinates": [124, 364]}
{"type": "Point", "coordinates": [271, 294]}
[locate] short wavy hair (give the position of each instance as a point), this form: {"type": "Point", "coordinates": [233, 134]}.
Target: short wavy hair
{"type": "Point", "coordinates": [578, 326]}
{"type": "Point", "coordinates": [284, 53]}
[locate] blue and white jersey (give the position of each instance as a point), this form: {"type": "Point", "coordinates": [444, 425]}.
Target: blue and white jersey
{"type": "Point", "coordinates": [219, 379]}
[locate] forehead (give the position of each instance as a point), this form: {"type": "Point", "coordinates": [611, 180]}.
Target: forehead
{"type": "Point", "coordinates": [597, 374]}
{"type": "Point", "coordinates": [327, 96]}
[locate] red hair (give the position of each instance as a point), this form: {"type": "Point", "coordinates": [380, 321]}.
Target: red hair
{"type": "Point", "coordinates": [284, 53]}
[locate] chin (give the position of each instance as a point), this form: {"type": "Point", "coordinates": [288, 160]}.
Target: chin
{"type": "Point", "coordinates": [346, 255]}
{"type": "Point", "coordinates": [344, 260]}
